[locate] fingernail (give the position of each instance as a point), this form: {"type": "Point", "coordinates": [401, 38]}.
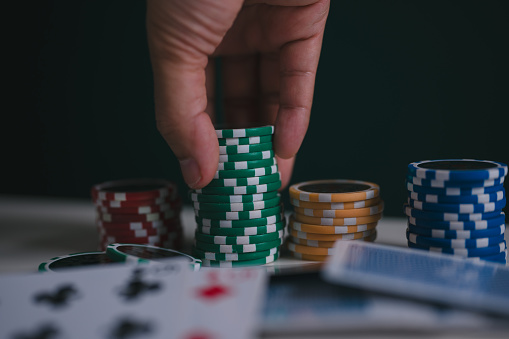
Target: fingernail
{"type": "Point", "coordinates": [190, 172]}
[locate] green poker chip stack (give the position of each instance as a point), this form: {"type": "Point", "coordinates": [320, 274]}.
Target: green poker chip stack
{"type": "Point", "coordinates": [239, 215]}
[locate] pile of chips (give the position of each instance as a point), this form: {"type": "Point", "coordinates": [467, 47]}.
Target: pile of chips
{"type": "Point", "coordinates": [455, 206]}
{"type": "Point", "coordinates": [138, 211]}
{"type": "Point", "coordinates": [239, 215]}
{"type": "Point", "coordinates": [117, 253]}
{"type": "Point", "coordinates": [329, 210]}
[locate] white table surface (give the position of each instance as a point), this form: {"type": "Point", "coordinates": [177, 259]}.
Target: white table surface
{"type": "Point", "coordinates": [33, 230]}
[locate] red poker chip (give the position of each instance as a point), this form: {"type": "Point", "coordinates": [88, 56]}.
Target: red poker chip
{"type": "Point", "coordinates": [139, 233]}
{"type": "Point", "coordinates": [134, 203]}
{"type": "Point", "coordinates": [170, 242]}
{"type": "Point", "coordinates": [172, 222]}
{"type": "Point", "coordinates": [120, 218]}
{"type": "Point", "coordinates": [134, 189]}
{"type": "Point", "coordinates": [136, 233]}
{"type": "Point", "coordinates": [176, 206]}
{"type": "Point", "coordinates": [148, 240]}
{"type": "Point", "coordinates": [151, 230]}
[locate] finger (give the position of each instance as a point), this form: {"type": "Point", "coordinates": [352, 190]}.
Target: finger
{"type": "Point", "coordinates": [181, 35]}
{"type": "Point", "coordinates": [280, 2]}
{"type": "Point", "coordinates": [210, 79]}
{"type": "Point", "coordinates": [180, 103]}
{"type": "Point", "coordinates": [240, 90]}
{"type": "Point", "coordinates": [298, 65]}
{"type": "Point", "coordinates": [269, 86]}
{"type": "Point", "coordinates": [285, 167]}
{"type": "Point", "coordinates": [269, 105]}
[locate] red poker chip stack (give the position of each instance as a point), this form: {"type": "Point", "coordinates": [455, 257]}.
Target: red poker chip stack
{"type": "Point", "coordinates": [138, 211]}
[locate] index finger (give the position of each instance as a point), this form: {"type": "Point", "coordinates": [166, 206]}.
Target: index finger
{"type": "Point", "coordinates": [298, 65]}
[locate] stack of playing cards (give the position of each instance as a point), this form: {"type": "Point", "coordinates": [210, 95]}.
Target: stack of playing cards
{"type": "Point", "coordinates": [438, 278]}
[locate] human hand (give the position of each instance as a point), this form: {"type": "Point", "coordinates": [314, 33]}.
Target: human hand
{"type": "Point", "coordinates": [270, 51]}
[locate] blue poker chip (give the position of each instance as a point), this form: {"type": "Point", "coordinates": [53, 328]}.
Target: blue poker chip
{"type": "Point", "coordinates": [463, 252]}
{"type": "Point", "coordinates": [454, 243]}
{"type": "Point", "coordinates": [461, 184]}
{"type": "Point", "coordinates": [458, 199]}
{"type": "Point", "coordinates": [456, 234]}
{"type": "Point", "coordinates": [500, 258]}
{"type": "Point", "coordinates": [457, 208]}
{"type": "Point", "coordinates": [446, 216]}
{"type": "Point", "coordinates": [453, 191]}
{"type": "Point", "coordinates": [459, 225]}
{"type": "Point", "coordinates": [458, 169]}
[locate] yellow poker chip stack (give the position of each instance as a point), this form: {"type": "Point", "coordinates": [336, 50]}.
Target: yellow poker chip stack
{"type": "Point", "coordinates": [326, 211]}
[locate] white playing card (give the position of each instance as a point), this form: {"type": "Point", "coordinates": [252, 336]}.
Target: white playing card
{"type": "Point", "coordinates": [111, 301]}
{"type": "Point", "coordinates": [224, 303]}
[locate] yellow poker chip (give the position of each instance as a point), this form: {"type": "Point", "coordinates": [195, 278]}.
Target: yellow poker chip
{"type": "Point", "coordinates": [335, 205]}
{"type": "Point", "coordinates": [309, 257]}
{"type": "Point", "coordinates": [330, 237]}
{"type": "Point", "coordinates": [358, 212]}
{"type": "Point", "coordinates": [292, 247]}
{"type": "Point", "coordinates": [334, 190]}
{"type": "Point", "coordinates": [332, 242]}
{"type": "Point", "coordinates": [313, 250]}
{"type": "Point", "coordinates": [337, 221]}
{"type": "Point", "coordinates": [313, 243]}
{"type": "Point", "coordinates": [320, 229]}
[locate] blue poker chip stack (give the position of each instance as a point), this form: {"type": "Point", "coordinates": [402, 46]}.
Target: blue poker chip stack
{"type": "Point", "coordinates": [455, 207]}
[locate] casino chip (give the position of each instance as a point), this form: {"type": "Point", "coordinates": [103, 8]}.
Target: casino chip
{"type": "Point", "coordinates": [146, 254]}
{"type": "Point", "coordinates": [456, 234]}
{"type": "Point", "coordinates": [326, 211]}
{"type": "Point", "coordinates": [229, 264]}
{"type": "Point", "coordinates": [455, 206]}
{"type": "Point", "coordinates": [239, 214]}
{"type": "Point", "coordinates": [138, 211]}
{"type": "Point", "coordinates": [117, 253]}
{"type": "Point", "coordinates": [75, 260]}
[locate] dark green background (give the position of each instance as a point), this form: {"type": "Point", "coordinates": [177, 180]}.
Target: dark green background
{"type": "Point", "coordinates": [398, 81]}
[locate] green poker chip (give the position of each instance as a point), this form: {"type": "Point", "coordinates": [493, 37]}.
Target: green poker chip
{"type": "Point", "coordinates": [238, 240]}
{"type": "Point", "coordinates": [245, 132]}
{"type": "Point", "coordinates": [233, 256]}
{"type": "Point", "coordinates": [241, 231]}
{"type": "Point", "coordinates": [251, 181]}
{"type": "Point", "coordinates": [246, 156]}
{"type": "Point", "coordinates": [263, 246]}
{"type": "Point", "coordinates": [242, 215]}
{"type": "Point", "coordinates": [241, 165]}
{"type": "Point", "coordinates": [231, 199]}
{"type": "Point", "coordinates": [241, 149]}
{"type": "Point", "coordinates": [236, 190]}
{"type": "Point", "coordinates": [228, 264]}
{"type": "Point", "coordinates": [245, 141]}
{"type": "Point", "coordinates": [56, 264]}
{"type": "Point", "coordinates": [137, 253]}
{"type": "Point", "coordinates": [239, 206]}
{"type": "Point", "coordinates": [252, 172]}
{"type": "Point", "coordinates": [240, 223]}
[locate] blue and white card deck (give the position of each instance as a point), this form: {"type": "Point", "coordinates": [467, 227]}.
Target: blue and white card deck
{"type": "Point", "coordinates": [422, 275]}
